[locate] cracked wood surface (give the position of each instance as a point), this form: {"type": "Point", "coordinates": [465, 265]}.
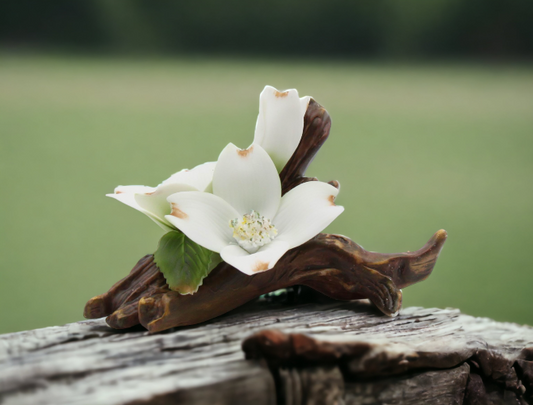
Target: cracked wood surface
{"type": "Point", "coordinates": [345, 353]}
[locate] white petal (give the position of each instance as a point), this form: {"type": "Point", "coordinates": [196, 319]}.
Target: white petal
{"type": "Point", "coordinates": [264, 259]}
{"type": "Point", "coordinates": [199, 177]}
{"type": "Point", "coordinates": [203, 217]}
{"type": "Point", "coordinates": [305, 211]}
{"type": "Point", "coordinates": [280, 123]}
{"type": "Point", "coordinates": [248, 180]}
{"type": "Point", "coordinates": [156, 202]}
{"type": "Point", "coordinates": [126, 195]}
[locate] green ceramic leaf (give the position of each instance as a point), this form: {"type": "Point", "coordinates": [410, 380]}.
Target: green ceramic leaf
{"type": "Point", "coordinates": [184, 263]}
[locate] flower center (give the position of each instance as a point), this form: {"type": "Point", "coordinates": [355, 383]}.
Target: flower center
{"type": "Point", "coordinates": [253, 231]}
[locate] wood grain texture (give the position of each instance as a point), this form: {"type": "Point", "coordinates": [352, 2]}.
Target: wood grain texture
{"type": "Point", "coordinates": [300, 359]}
{"type": "Point", "coordinates": [436, 387]}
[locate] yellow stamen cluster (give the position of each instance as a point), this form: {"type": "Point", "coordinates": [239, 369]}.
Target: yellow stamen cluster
{"type": "Point", "coordinates": [253, 231]}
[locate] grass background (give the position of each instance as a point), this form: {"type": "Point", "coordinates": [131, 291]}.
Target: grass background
{"type": "Point", "coordinates": [416, 148]}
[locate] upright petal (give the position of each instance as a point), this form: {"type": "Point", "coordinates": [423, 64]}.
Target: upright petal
{"type": "Point", "coordinates": [264, 259]}
{"type": "Point", "coordinates": [305, 211]}
{"type": "Point", "coordinates": [280, 123]}
{"type": "Point", "coordinates": [203, 217]}
{"type": "Point", "coordinates": [199, 177]}
{"type": "Point", "coordinates": [248, 180]}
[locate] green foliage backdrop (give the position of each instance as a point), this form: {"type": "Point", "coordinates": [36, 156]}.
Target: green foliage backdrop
{"type": "Point", "coordinates": [369, 28]}
{"type": "Point", "coordinates": [415, 147]}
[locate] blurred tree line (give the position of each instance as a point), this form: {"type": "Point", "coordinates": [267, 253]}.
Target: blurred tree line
{"type": "Point", "coordinates": [363, 28]}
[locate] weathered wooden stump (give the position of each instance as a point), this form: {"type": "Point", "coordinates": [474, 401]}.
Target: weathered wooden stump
{"type": "Point", "coordinates": [329, 353]}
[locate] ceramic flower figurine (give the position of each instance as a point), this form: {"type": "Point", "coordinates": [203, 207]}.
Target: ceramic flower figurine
{"type": "Point", "coordinates": [250, 224]}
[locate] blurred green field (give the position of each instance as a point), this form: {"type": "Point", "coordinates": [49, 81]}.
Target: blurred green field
{"type": "Point", "coordinates": [416, 148]}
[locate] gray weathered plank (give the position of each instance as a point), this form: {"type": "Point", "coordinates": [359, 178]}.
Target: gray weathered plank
{"type": "Point", "coordinates": [89, 363]}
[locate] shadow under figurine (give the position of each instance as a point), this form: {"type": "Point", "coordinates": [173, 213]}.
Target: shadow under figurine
{"type": "Point", "coordinates": [333, 265]}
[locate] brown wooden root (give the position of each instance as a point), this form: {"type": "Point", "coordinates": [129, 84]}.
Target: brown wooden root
{"type": "Point", "coordinates": [120, 303]}
{"type": "Point", "coordinates": [317, 124]}
{"type": "Point", "coordinates": [331, 264]}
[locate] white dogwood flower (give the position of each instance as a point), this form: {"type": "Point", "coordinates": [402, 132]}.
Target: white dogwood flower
{"type": "Point", "coordinates": [246, 219]}
{"type": "Point", "coordinates": [152, 201]}
{"type": "Point", "coordinates": [280, 123]}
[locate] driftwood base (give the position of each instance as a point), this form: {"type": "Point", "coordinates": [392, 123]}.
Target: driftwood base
{"type": "Point", "coordinates": [337, 353]}
{"type": "Point", "coordinates": [333, 265]}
